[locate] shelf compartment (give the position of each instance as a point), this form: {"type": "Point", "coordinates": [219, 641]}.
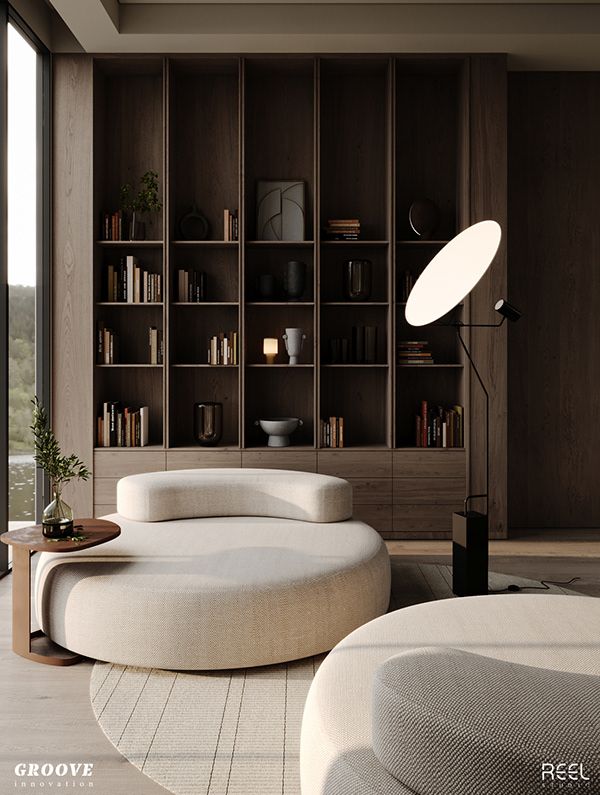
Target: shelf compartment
{"type": "Point", "coordinates": [280, 139]}
{"type": "Point", "coordinates": [337, 323]}
{"type": "Point", "coordinates": [148, 259]}
{"type": "Point", "coordinates": [191, 332]}
{"type": "Point", "coordinates": [264, 322]}
{"type": "Point", "coordinates": [133, 387]}
{"type": "Point", "coordinates": [273, 260]}
{"type": "Point", "coordinates": [189, 385]}
{"type": "Point", "coordinates": [128, 137]}
{"type": "Point", "coordinates": [359, 395]}
{"type": "Point", "coordinates": [204, 126]}
{"type": "Point", "coordinates": [354, 120]}
{"type": "Point", "coordinates": [332, 273]}
{"type": "Point", "coordinates": [220, 264]}
{"type": "Point", "coordinates": [438, 386]}
{"type": "Point", "coordinates": [427, 164]}
{"type": "Point", "coordinates": [280, 392]}
{"type": "Point", "coordinates": [132, 348]}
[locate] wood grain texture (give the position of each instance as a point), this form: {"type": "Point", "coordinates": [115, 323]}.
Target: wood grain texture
{"type": "Point", "coordinates": [119, 463]}
{"type": "Point", "coordinates": [424, 517]}
{"type": "Point", "coordinates": [377, 516]}
{"type": "Point", "coordinates": [355, 463]}
{"type": "Point", "coordinates": [302, 460]}
{"type": "Point", "coordinates": [428, 463]}
{"type": "Point", "coordinates": [428, 490]}
{"type": "Point", "coordinates": [371, 491]}
{"type": "Point", "coordinates": [554, 351]}
{"type": "Point", "coordinates": [72, 340]}
{"type": "Point", "coordinates": [203, 459]}
{"type": "Point", "coordinates": [488, 199]}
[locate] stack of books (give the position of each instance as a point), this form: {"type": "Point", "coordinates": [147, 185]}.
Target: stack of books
{"type": "Point", "coordinates": [414, 352]}
{"type": "Point", "coordinates": [155, 344]}
{"type": "Point", "coordinates": [230, 225]}
{"type": "Point", "coordinates": [343, 229]}
{"type": "Point", "coordinates": [112, 226]}
{"type": "Point", "coordinates": [127, 282]}
{"type": "Point", "coordinates": [122, 427]}
{"type": "Point", "coordinates": [332, 432]}
{"type": "Point", "coordinates": [107, 345]}
{"type": "Point", "coordinates": [191, 286]}
{"type": "Point", "coordinates": [223, 349]}
{"type": "Point", "coordinates": [439, 426]}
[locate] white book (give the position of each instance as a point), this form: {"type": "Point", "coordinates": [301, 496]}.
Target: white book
{"type": "Point", "coordinates": [144, 410]}
{"type": "Point", "coordinates": [130, 264]}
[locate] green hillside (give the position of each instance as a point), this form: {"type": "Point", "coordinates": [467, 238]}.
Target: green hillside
{"type": "Point", "coordinates": [21, 366]}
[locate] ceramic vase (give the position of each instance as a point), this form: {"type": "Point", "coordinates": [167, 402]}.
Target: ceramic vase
{"type": "Point", "coordinates": [294, 339]}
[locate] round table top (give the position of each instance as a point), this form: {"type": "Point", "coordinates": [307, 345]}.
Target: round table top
{"type": "Point", "coordinates": [96, 531]}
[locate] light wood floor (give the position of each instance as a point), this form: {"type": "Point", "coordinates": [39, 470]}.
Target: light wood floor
{"type": "Point", "coordinates": [46, 714]}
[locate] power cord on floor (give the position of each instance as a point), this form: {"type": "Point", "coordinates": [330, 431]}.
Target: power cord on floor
{"type": "Point", "coordinates": [545, 586]}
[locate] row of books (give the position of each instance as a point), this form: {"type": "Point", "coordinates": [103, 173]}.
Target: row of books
{"type": "Point", "coordinates": [120, 426]}
{"type": "Point", "coordinates": [343, 229]}
{"type": "Point", "coordinates": [361, 349]}
{"type": "Point", "coordinates": [108, 350]}
{"type": "Point", "coordinates": [191, 286]}
{"type": "Point", "coordinates": [155, 344]}
{"type": "Point", "coordinates": [407, 282]}
{"type": "Point", "coordinates": [439, 426]}
{"type": "Point", "coordinates": [332, 432]}
{"type": "Point", "coordinates": [414, 352]}
{"type": "Point", "coordinates": [112, 226]}
{"type": "Point", "coordinates": [230, 226]}
{"type": "Point", "coordinates": [223, 348]}
{"type": "Point", "coordinates": [129, 283]}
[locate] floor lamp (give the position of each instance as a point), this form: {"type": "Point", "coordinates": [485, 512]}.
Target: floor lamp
{"type": "Point", "coordinates": [446, 281]}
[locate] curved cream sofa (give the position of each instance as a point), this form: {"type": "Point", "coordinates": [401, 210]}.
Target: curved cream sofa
{"type": "Point", "coordinates": [440, 726]}
{"type": "Point", "coordinates": [245, 567]}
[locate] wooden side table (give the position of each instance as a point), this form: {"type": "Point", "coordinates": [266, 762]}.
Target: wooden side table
{"type": "Point", "coordinates": [23, 541]}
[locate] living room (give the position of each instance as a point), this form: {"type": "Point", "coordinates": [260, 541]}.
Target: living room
{"type": "Point", "coordinates": [297, 388]}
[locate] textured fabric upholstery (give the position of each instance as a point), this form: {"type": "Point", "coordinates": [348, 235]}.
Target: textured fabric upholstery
{"type": "Point", "coordinates": [561, 633]}
{"type": "Point", "coordinates": [490, 724]}
{"type": "Point", "coordinates": [214, 593]}
{"type": "Point", "coordinates": [189, 493]}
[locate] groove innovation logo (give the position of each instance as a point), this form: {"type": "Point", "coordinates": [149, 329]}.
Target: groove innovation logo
{"type": "Point", "coordinates": [48, 776]}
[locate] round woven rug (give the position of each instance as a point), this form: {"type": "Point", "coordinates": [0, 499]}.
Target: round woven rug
{"type": "Point", "coordinates": [233, 732]}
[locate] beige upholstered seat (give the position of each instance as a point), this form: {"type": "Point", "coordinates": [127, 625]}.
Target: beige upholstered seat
{"type": "Point", "coordinates": [217, 592]}
{"type": "Point", "coordinates": [337, 757]}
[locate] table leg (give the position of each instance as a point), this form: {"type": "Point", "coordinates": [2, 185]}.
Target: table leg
{"type": "Point", "coordinates": [21, 610]}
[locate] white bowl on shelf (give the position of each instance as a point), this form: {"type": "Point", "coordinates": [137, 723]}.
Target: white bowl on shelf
{"type": "Point", "coordinates": [279, 429]}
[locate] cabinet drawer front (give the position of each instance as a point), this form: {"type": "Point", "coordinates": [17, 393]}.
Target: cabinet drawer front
{"type": "Point", "coordinates": [429, 463]}
{"type": "Point", "coordinates": [105, 491]}
{"type": "Point", "coordinates": [431, 490]}
{"type": "Point", "coordinates": [371, 491]}
{"type": "Point", "coordinates": [118, 463]}
{"type": "Point", "coordinates": [301, 460]}
{"type": "Point", "coordinates": [354, 463]}
{"type": "Point", "coordinates": [378, 516]}
{"type": "Point", "coordinates": [424, 518]}
{"type": "Point", "coordinates": [203, 459]}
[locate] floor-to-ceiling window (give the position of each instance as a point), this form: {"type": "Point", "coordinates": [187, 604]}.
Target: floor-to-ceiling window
{"type": "Point", "coordinates": [25, 266]}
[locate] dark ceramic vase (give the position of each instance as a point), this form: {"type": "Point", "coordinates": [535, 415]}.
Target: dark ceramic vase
{"type": "Point", "coordinates": [358, 279]}
{"type": "Point", "coordinates": [208, 423]}
{"type": "Point", "coordinates": [295, 280]}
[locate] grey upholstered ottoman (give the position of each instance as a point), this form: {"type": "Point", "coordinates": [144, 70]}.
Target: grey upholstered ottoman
{"type": "Point", "coordinates": [218, 569]}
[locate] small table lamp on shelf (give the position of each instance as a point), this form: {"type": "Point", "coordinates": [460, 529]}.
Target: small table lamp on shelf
{"type": "Point", "coordinates": [270, 349]}
{"type": "Point", "coordinates": [448, 279]}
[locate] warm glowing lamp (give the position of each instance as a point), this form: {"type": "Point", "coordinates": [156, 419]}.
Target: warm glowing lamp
{"type": "Point", "coordinates": [270, 349]}
{"type": "Point", "coordinates": [450, 276]}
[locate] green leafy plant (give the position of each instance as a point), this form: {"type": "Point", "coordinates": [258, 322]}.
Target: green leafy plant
{"type": "Point", "coordinates": [146, 200]}
{"type": "Point", "coordinates": [48, 456]}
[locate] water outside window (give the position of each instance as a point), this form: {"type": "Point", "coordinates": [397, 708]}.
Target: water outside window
{"type": "Point", "coordinates": [22, 259]}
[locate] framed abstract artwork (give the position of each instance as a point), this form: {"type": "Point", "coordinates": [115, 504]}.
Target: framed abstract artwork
{"type": "Point", "coordinates": [280, 210]}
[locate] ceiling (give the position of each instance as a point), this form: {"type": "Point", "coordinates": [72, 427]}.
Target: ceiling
{"type": "Point", "coordinates": [536, 35]}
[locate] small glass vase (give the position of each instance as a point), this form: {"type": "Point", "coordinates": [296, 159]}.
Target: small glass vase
{"type": "Point", "coordinates": [57, 519]}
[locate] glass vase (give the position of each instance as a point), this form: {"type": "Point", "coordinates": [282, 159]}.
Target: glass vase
{"type": "Point", "coordinates": [57, 519]}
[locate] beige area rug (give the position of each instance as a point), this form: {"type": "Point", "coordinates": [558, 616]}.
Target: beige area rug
{"type": "Point", "coordinates": [232, 732]}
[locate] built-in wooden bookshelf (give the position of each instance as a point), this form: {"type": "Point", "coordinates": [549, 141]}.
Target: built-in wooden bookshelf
{"type": "Point", "coordinates": [367, 135]}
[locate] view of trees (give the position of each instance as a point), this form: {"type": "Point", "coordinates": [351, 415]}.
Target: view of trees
{"type": "Point", "coordinates": [21, 365]}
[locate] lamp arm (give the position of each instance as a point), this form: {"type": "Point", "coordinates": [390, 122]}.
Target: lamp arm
{"type": "Point", "coordinates": [469, 497]}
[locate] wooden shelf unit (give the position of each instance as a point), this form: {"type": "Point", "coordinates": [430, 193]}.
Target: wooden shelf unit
{"type": "Point", "coordinates": [357, 131]}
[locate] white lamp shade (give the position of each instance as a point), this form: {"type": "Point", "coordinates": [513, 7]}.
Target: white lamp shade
{"type": "Point", "coordinates": [453, 273]}
{"type": "Point", "coordinates": [270, 345]}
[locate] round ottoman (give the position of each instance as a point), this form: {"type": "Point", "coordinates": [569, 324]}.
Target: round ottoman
{"type": "Point", "coordinates": [556, 632]}
{"type": "Point", "coordinates": [216, 592]}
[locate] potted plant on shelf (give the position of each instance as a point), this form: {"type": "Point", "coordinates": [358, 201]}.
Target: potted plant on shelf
{"type": "Point", "coordinates": [146, 200]}
{"type": "Point", "coordinates": [57, 519]}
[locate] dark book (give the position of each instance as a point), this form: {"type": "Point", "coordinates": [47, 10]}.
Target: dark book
{"type": "Point", "coordinates": [370, 344]}
{"type": "Point", "coordinates": [358, 344]}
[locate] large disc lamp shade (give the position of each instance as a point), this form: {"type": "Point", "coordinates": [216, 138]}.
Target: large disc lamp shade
{"type": "Point", "coordinates": [453, 273]}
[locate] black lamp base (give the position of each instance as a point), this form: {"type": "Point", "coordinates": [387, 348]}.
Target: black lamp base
{"type": "Point", "coordinates": [469, 553]}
